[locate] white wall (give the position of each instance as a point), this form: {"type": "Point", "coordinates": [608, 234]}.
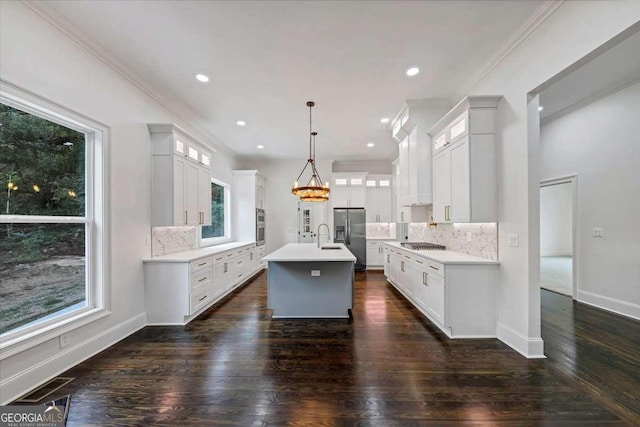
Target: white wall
{"type": "Point", "coordinates": [281, 205]}
{"type": "Point", "coordinates": [547, 51]}
{"type": "Point", "coordinates": [555, 219]}
{"type": "Point", "coordinates": [40, 58]}
{"type": "Point", "coordinates": [599, 143]}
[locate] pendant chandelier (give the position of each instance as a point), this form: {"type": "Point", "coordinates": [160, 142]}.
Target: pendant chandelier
{"type": "Point", "coordinates": [314, 191]}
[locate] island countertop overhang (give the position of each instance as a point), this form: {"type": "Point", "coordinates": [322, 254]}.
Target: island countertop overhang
{"type": "Point", "coordinates": [306, 252]}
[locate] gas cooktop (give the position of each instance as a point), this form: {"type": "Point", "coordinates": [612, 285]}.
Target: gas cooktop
{"type": "Point", "coordinates": [423, 246]}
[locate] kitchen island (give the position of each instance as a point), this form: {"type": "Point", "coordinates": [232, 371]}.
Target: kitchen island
{"type": "Point", "coordinates": [305, 281]}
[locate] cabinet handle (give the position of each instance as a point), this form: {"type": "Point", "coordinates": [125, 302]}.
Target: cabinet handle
{"type": "Point", "coordinates": [402, 266]}
{"type": "Point", "coordinates": [424, 278]}
{"type": "Point", "coordinates": [202, 298]}
{"type": "Point", "coordinates": [203, 279]}
{"type": "Point", "coordinates": [186, 217]}
{"type": "Point", "coordinates": [401, 217]}
{"type": "Point", "coordinates": [388, 261]}
{"type": "Point", "coordinates": [431, 266]}
{"type": "Point", "coordinates": [251, 256]}
{"type": "Point", "coordinates": [202, 263]}
{"type": "Point", "coordinates": [225, 267]}
{"type": "Point", "coordinates": [419, 262]}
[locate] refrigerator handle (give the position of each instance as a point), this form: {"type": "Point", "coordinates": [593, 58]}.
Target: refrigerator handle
{"type": "Point", "coordinates": [347, 238]}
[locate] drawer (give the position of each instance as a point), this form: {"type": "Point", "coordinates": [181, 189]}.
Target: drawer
{"type": "Point", "coordinates": [200, 264]}
{"type": "Point", "coordinates": [435, 268]}
{"type": "Point", "coordinates": [200, 280]}
{"type": "Point", "coordinates": [239, 252]}
{"type": "Point", "coordinates": [219, 257]}
{"type": "Point", "coordinates": [200, 300]}
{"type": "Point", "coordinates": [230, 254]}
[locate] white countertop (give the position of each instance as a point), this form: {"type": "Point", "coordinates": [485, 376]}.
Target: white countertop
{"type": "Point", "coordinates": [446, 257]}
{"type": "Point", "coordinates": [302, 252]}
{"type": "Point", "coordinates": [188, 256]}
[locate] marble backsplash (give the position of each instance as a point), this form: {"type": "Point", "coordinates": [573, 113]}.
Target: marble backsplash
{"type": "Point", "coordinates": [474, 239]}
{"type": "Point", "coordinates": [381, 230]}
{"type": "Point", "coordinates": [170, 240]}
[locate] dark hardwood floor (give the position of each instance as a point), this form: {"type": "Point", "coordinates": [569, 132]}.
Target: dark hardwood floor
{"type": "Point", "coordinates": [388, 366]}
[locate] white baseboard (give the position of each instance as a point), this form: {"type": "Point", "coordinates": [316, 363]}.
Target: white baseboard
{"type": "Point", "coordinates": [19, 384]}
{"type": "Point", "coordinates": [531, 348]}
{"type": "Point", "coordinates": [610, 304]}
{"type": "Point", "coordinates": [556, 254]}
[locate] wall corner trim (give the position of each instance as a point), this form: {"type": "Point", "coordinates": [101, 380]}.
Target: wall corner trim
{"type": "Point", "coordinates": [617, 306]}
{"type": "Point", "coordinates": [531, 348]}
{"type": "Point", "coordinates": [20, 383]}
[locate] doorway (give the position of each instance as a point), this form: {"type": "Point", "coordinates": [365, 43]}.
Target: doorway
{"type": "Point", "coordinates": [557, 235]}
{"type": "Point", "coordinates": [310, 216]}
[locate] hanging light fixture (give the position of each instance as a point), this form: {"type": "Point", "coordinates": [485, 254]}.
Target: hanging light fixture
{"type": "Point", "coordinates": [314, 191]}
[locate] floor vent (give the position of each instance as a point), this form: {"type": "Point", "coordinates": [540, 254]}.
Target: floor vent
{"type": "Point", "coordinates": [44, 390]}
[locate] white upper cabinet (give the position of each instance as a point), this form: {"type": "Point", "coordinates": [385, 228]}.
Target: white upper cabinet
{"type": "Point", "coordinates": [379, 202]}
{"type": "Point", "coordinates": [414, 185]}
{"type": "Point", "coordinates": [181, 178]}
{"type": "Point", "coordinates": [464, 162]}
{"type": "Point", "coordinates": [349, 190]}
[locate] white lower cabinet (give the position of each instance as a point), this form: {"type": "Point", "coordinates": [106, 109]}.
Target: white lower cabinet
{"type": "Point", "coordinates": [374, 254]}
{"type": "Point", "coordinates": [460, 299]}
{"type": "Point", "coordinates": [177, 290]}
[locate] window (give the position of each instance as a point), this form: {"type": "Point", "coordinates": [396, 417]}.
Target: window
{"type": "Point", "coordinates": [219, 230]}
{"type": "Point", "coordinates": [52, 224]}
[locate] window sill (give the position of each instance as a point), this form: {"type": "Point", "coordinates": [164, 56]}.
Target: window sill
{"type": "Point", "coordinates": [215, 241]}
{"type": "Point", "coordinates": [23, 342]}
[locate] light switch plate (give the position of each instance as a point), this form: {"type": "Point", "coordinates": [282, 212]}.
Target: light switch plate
{"type": "Point", "coordinates": [315, 273]}
{"type": "Point", "coordinates": [598, 232]}
{"type": "Point", "coordinates": [64, 340]}
{"type": "Point", "coordinates": [514, 240]}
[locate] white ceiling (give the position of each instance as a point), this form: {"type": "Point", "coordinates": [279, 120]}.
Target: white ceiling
{"type": "Point", "coordinates": [611, 70]}
{"type": "Point", "coordinates": [267, 58]}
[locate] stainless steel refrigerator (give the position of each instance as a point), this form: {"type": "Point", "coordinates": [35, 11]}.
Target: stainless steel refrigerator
{"type": "Point", "coordinates": [350, 229]}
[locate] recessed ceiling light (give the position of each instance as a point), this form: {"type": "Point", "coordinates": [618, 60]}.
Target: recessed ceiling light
{"type": "Point", "coordinates": [202, 78]}
{"type": "Point", "coordinates": [413, 71]}
{"type": "Point", "coordinates": [371, 144]}
{"type": "Point", "coordinates": [260, 147]}
{"type": "Point", "coordinates": [384, 120]}
{"type": "Point", "coordinates": [540, 108]}
{"type": "Point", "coordinates": [240, 123]}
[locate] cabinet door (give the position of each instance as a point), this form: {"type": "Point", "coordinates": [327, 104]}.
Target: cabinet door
{"type": "Point", "coordinates": [385, 207]}
{"type": "Point", "coordinates": [420, 283]}
{"type": "Point", "coordinates": [204, 196]}
{"type": "Point", "coordinates": [441, 186]}
{"type": "Point", "coordinates": [435, 297]}
{"type": "Point", "coordinates": [372, 205]}
{"type": "Point", "coordinates": [340, 197]}
{"type": "Point", "coordinates": [412, 188]}
{"type": "Point", "coordinates": [358, 197]}
{"type": "Point", "coordinates": [403, 187]}
{"type": "Point", "coordinates": [373, 255]}
{"type": "Point", "coordinates": [179, 197]}
{"type": "Point", "coordinates": [408, 276]}
{"type": "Point", "coordinates": [460, 210]}
{"type": "Point", "coordinates": [219, 283]}
{"type": "Point", "coordinates": [191, 193]}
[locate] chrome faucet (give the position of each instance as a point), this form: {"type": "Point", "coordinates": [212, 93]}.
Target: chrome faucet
{"type": "Point", "coordinates": [328, 232]}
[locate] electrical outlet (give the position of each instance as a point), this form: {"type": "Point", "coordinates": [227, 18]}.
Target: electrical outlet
{"type": "Point", "coordinates": [64, 340]}
{"type": "Point", "coordinates": [514, 240]}
{"type": "Point", "coordinates": [598, 232]}
{"type": "Point", "coordinates": [468, 236]}
{"type": "Point", "coordinates": [315, 273]}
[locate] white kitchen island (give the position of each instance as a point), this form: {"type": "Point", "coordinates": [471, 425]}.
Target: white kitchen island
{"type": "Point", "coordinates": [307, 281]}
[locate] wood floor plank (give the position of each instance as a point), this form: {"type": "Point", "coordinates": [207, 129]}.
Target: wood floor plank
{"type": "Point", "coordinates": [386, 366]}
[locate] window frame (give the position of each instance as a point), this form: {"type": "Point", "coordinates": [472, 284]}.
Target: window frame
{"type": "Point", "coordinates": [95, 219]}
{"type": "Point", "coordinates": [212, 241]}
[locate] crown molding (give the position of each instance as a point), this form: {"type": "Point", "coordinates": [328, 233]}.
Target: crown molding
{"type": "Point", "coordinates": [534, 20]}
{"type": "Point", "coordinates": [169, 103]}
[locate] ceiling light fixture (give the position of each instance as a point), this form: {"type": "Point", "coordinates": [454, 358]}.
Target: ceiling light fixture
{"type": "Point", "coordinates": [314, 191]}
{"type": "Point", "coordinates": [260, 147]}
{"type": "Point", "coordinates": [540, 108]}
{"type": "Point", "coordinates": [241, 123]}
{"type": "Point", "coordinates": [371, 144]}
{"type": "Point", "coordinates": [384, 120]}
{"type": "Point", "coordinates": [202, 78]}
{"type": "Point", "coordinates": [413, 71]}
